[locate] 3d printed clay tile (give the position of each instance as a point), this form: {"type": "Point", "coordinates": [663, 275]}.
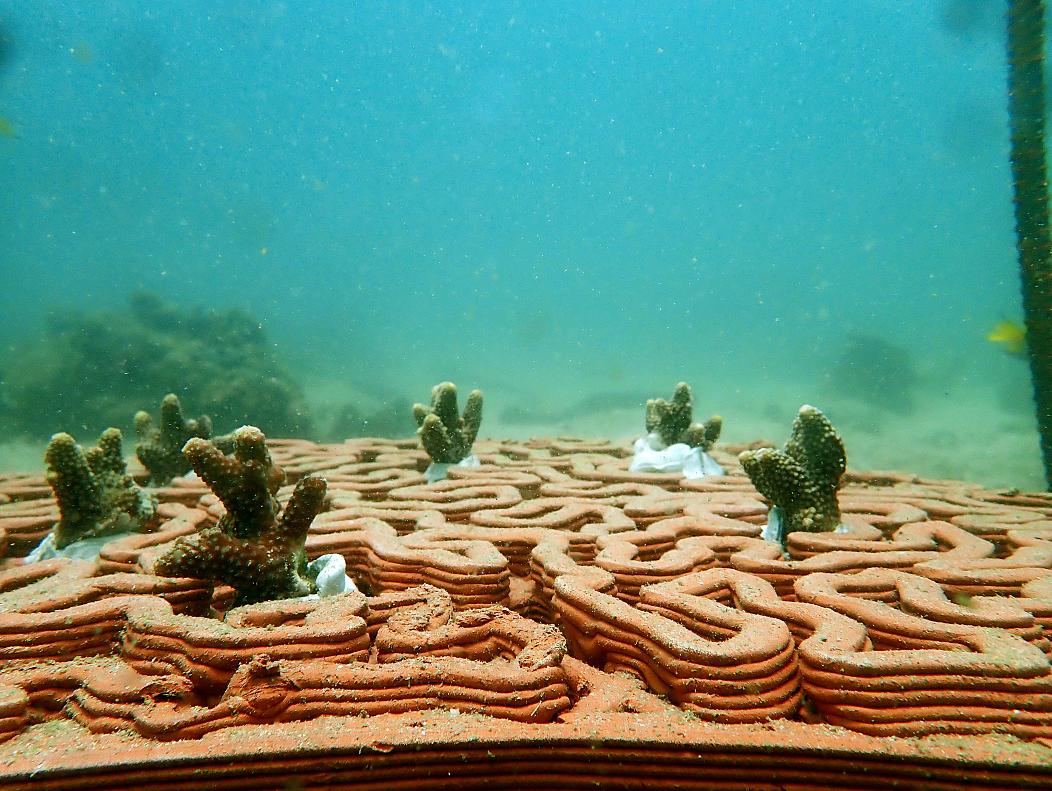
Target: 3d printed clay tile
{"type": "Point", "coordinates": [1035, 596]}
{"type": "Point", "coordinates": [585, 521]}
{"type": "Point", "coordinates": [425, 601]}
{"type": "Point", "coordinates": [645, 510]}
{"type": "Point", "coordinates": [48, 685]}
{"type": "Point", "coordinates": [528, 484]}
{"type": "Point", "coordinates": [371, 485]}
{"type": "Point", "coordinates": [415, 458]}
{"type": "Point", "coordinates": [540, 457]}
{"type": "Point", "coordinates": [456, 500]}
{"type": "Point", "coordinates": [14, 703]}
{"type": "Point", "coordinates": [514, 543]}
{"type": "Point", "coordinates": [186, 491]}
{"type": "Point", "coordinates": [928, 600]}
{"type": "Point", "coordinates": [473, 572]}
{"type": "Point", "coordinates": [56, 609]}
{"type": "Point", "coordinates": [609, 493]}
{"type": "Point", "coordinates": [547, 469]}
{"type": "Point", "coordinates": [487, 660]}
{"type": "Point", "coordinates": [926, 537]}
{"type": "Point", "coordinates": [727, 486]}
{"type": "Point", "coordinates": [605, 471]}
{"type": "Point", "coordinates": [1037, 501]}
{"type": "Point", "coordinates": [266, 692]}
{"type": "Point", "coordinates": [721, 664]}
{"type": "Point", "coordinates": [737, 507]}
{"type": "Point", "coordinates": [366, 446]}
{"type": "Point", "coordinates": [483, 634]}
{"type": "Point", "coordinates": [729, 505]}
{"type": "Point", "coordinates": [912, 544]}
{"type": "Point", "coordinates": [595, 692]}
{"type": "Point", "coordinates": [887, 515]}
{"type": "Point", "coordinates": [297, 457]}
{"type": "Point", "coordinates": [704, 523]}
{"type": "Point", "coordinates": [935, 508]}
{"type": "Point", "coordinates": [1024, 556]}
{"type": "Point", "coordinates": [404, 520]}
{"type": "Point", "coordinates": [988, 680]}
{"type": "Point", "coordinates": [992, 525]}
{"type": "Point", "coordinates": [102, 701]}
{"type": "Point", "coordinates": [565, 446]}
{"type": "Point", "coordinates": [733, 478]}
{"type": "Point", "coordinates": [502, 448]}
{"type": "Point", "coordinates": [752, 594]}
{"type": "Point", "coordinates": [976, 503]}
{"type": "Point", "coordinates": [26, 522]}
{"type": "Point", "coordinates": [24, 486]}
{"type": "Point", "coordinates": [550, 560]}
{"type": "Point", "coordinates": [665, 551]}
{"type": "Point", "coordinates": [970, 656]}
{"type": "Point", "coordinates": [401, 463]}
{"type": "Point", "coordinates": [518, 476]}
{"type": "Point", "coordinates": [208, 652]}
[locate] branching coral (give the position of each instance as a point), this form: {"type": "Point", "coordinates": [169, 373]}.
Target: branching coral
{"type": "Point", "coordinates": [160, 448]}
{"type": "Point", "coordinates": [445, 434]}
{"type": "Point", "coordinates": [803, 479]}
{"type": "Point", "coordinates": [95, 494]}
{"type": "Point", "coordinates": [252, 548]}
{"type": "Point", "coordinates": [673, 422]}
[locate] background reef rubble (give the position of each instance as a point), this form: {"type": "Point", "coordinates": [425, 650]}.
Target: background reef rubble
{"type": "Point", "coordinates": [92, 370]}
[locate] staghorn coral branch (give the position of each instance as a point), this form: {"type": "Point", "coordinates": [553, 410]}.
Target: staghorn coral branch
{"type": "Point", "coordinates": [95, 495]}
{"type": "Point", "coordinates": [446, 436]}
{"type": "Point", "coordinates": [252, 549]}
{"type": "Point", "coordinates": [245, 482]}
{"type": "Point", "coordinates": [306, 502]}
{"type": "Point", "coordinates": [672, 420]}
{"type": "Point", "coordinates": [160, 448]}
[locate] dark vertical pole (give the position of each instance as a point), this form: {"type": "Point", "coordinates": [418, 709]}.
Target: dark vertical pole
{"type": "Point", "coordinates": [1026, 113]}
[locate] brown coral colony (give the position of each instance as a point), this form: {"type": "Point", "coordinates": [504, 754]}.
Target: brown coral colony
{"type": "Point", "coordinates": [252, 549]}
{"type": "Point", "coordinates": [94, 493]}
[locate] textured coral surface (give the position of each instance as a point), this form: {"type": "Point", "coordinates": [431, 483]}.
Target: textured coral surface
{"type": "Point", "coordinates": [633, 626]}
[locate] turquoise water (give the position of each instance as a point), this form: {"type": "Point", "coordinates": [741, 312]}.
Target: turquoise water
{"type": "Point", "coordinates": [572, 206]}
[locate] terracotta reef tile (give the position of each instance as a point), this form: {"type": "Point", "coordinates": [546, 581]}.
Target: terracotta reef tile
{"type": "Point", "coordinates": [549, 617]}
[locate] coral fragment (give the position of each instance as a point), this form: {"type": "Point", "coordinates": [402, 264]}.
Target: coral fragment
{"type": "Point", "coordinates": [673, 422]}
{"type": "Point", "coordinates": [445, 434]}
{"type": "Point", "coordinates": [254, 550]}
{"type": "Point", "coordinates": [803, 479]}
{"type": "Point", "coordinates": [95, 494]}
{"type": "Point", "coordinates": [160, 448]}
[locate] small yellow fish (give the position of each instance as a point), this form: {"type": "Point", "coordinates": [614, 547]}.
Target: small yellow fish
{"type": "Point", "coordinates": [1010, 334]}
{"type": "Point", "coordinates": [7, 129]}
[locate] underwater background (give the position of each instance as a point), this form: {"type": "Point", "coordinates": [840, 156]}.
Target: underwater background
{"type": "Point", "coordinates": [570, 205]}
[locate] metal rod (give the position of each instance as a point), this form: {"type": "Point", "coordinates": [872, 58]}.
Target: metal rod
{"type": "Point", "coordinates": [1026, 113]}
